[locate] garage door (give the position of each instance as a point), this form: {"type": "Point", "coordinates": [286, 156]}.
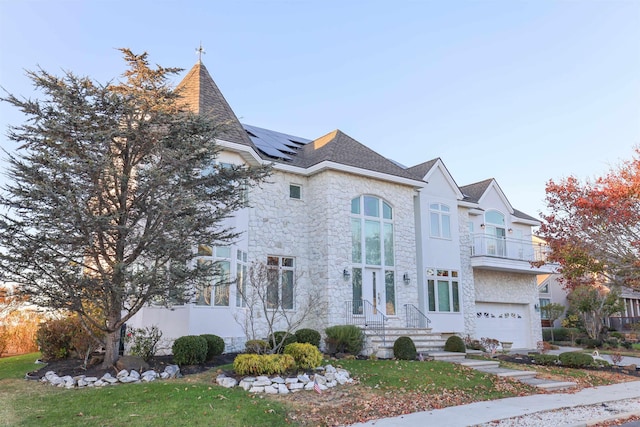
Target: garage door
{"type": "Point", "coordinates": [504, 322]}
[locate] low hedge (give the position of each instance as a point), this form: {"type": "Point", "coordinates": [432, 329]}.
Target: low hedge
{"type": "Point", "coordinates": [544, 359]}
{"type": "Point", "coordinates": [307, 335]}
{"type": "Point", "coordinates": [404, 349]}
{"type": "Point", "coordinates": [576, 359]}
{"type": "Point", "coordinates": [344, 339]}
{"type": "Point", "coordinates": [263, 364]}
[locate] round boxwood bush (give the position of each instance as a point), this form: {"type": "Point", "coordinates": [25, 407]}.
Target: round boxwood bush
{"type": "Point", "coordinates": [215, 345]}
{"type": "Point", "coordinates": [455, 344]}
{"type": "Point", "coordinates": [575, 359]}
{"type": "Point", "coordinates": [310, 336]}
{"type": "Point", "coordinates": [281, 338]}
{"type": "Point", "coordinates": [306, 355]}
{"type": "Point", "coordinates": [404, 349]}
{"type": "Point", "coordinates": [190, 350]}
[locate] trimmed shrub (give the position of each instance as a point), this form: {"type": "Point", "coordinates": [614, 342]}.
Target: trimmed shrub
{"type": "Point", "coordinates": [344, 339]}
{"type": "Point", "coordinates": [616, 334]}
{"type": "Point", "coordinates": [575, 359]}
{"type": "Point", "coordinates": [215, 345]}
{"type": "Point", "coordinates": [306, 356]}
{"type": "Point", "coordinates": [256, 347]}
{"type": "Point", "coordinates": [190, 350]}
{"type": "Point", "coordinates": [310, 336]}
{"type": "Point", "coordinates": [263, 364]}
{"type": "Point", "coordinates": [455, 344]}
{"type": "Point", "coordinates": [626, 344]}
{"type": "Point", "coordinates": [404, 349]}
{"type": "Point", "coordinates": [560, 334]}
{"type": "Point", "coordinates": [590, 343]}
{"type": "Point", "coordinates": [281, 339]}
{"type": "Point", "coordinates": [544, 359]}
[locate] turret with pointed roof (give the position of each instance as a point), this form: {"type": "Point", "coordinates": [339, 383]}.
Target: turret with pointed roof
{"type": "Point", "coordinates": [202, 96]}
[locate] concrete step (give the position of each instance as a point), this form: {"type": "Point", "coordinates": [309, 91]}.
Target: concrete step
{"type": "Point", "coordinates": [549, 385]}
{"type": "Point", "coordinates": [508, 373]}
{"type": "Point", "coordinates": [447, 356]}
{"type": "Point", "coordinates": [475, 364]}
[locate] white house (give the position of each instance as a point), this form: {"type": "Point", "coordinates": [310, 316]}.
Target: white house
{"type": "Point", "coordinates": [380, 244]}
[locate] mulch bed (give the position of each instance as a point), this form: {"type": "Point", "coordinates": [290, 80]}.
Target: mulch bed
{"type": "Point", "coordinates": [74, 367]}
{"type": "Point", "coordinates": [527, 360]}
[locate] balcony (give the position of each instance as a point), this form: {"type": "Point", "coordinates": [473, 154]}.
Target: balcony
{"type": "Point", "coordinates": [506, 254]}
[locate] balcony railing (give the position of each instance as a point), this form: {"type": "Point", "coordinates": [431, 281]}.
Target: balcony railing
{"type": "Point", "coordinates": [517, 249]}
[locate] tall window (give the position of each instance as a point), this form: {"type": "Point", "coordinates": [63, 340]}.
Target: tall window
{"type": "Point", "coordinates": [371, 231]}
{"type": "Point", "coordinates": [443, 290]}
{"type": "Point", "coordinates": [280, 279]}
{"type": "Point", "coordinates": [440, 218]}
{"type": "Point", "coordinates": [215, 290]}
{"type": "Point", "coordinates": [372, 254]}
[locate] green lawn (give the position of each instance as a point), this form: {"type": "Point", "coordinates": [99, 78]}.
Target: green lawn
{"type": "Point", "coordinates": [196, 400]}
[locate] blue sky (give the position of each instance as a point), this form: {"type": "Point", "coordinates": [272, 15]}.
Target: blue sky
{"type": "Point", "coordinates": [521, 91]}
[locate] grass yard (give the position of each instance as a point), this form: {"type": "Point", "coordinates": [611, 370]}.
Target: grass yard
{"type": "Point", "coordinates": [382, 388]}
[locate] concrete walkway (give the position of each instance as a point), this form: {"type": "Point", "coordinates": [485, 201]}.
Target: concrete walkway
{"type": "Point", "coordinates": [484, 412]}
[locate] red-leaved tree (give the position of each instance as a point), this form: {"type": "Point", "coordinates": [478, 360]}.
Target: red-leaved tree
{"type": "Point", "coordinates": [593, 227]}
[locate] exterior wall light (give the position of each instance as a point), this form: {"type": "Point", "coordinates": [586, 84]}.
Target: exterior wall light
{"type": "Point", "coordinates": [406, 279]}
{"type": "Point", "coordinates": [346, 274]}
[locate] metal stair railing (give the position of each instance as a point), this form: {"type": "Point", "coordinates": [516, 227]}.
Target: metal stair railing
{"type": "Point", "coordinates": [415, 318]}
{"type": "Point", "coordinates": [362, 312]}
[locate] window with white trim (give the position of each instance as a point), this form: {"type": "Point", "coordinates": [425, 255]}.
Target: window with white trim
{"type": "Point", "coordinates": [443, 290]}
{"type": "Point", "coordinates": [216, 289]}
{"type": "Point", "coordinates": [280, 282]}
{"type": "Point", "coordinates": [371, 231]}
{"type": "Point", "coordinates": [440, 220]}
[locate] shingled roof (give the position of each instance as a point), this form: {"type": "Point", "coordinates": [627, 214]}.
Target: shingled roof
{"type": "Point", "coordinates": [202, 96]}
{"type": "Point", "coordinates": [473, 193]}
{"type": "Point", "coordinates": [423, 168]}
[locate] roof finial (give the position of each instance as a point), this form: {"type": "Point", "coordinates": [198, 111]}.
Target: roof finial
{"type": "Point", "coordinates": [200, 51]}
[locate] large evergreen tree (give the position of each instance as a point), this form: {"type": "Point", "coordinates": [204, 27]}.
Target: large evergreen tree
{"type": "Point", "coordinates": [110, 190]}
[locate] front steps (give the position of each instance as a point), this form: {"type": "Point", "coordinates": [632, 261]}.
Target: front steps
{"type": "Point", "coordinates": [493, 367]}
{"type": "Point", "coordinates": [425, 341]}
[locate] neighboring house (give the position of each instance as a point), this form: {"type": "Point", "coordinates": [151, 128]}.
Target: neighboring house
{"type": "Point", "coordinates": [631, 315]}
{"type": "Point", "coordinates": [551, 292]}
{"type": "Point", "coordinates": [380, 243]}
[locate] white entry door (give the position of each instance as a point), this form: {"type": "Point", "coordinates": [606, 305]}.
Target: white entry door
{"type": "Point", "coordinates": [373, 290]}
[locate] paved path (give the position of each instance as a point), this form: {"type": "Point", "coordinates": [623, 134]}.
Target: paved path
{"type": "Point", "coordinates": [484, 412]}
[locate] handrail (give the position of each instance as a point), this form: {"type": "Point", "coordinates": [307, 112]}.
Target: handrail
{"type": "Point", "coordinates": [362, 312]}
{"type": "Point", "coordinates": [415, 318]}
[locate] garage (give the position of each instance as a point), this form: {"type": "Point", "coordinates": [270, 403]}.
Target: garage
{"type": "Point", "coordinates": [504, 322]}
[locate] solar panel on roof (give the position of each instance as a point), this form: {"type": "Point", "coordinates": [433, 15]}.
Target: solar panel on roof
{"type": "Point", "coordinates": [270, 151]}
{"type": "Point", "coordinates": [274, 144]}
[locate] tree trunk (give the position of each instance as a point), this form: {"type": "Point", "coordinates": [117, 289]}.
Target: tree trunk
{"type": "Point", "coordinates": [111, 346]}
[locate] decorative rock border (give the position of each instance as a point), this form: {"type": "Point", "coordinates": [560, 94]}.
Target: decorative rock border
{"type": "Point", "coordinates": [122, 377]}
{"type": "Point", "coordinates": [325, 377]}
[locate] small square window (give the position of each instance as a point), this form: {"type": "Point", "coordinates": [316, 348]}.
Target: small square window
{"type": "Point", "coordinates": [295, 191]}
